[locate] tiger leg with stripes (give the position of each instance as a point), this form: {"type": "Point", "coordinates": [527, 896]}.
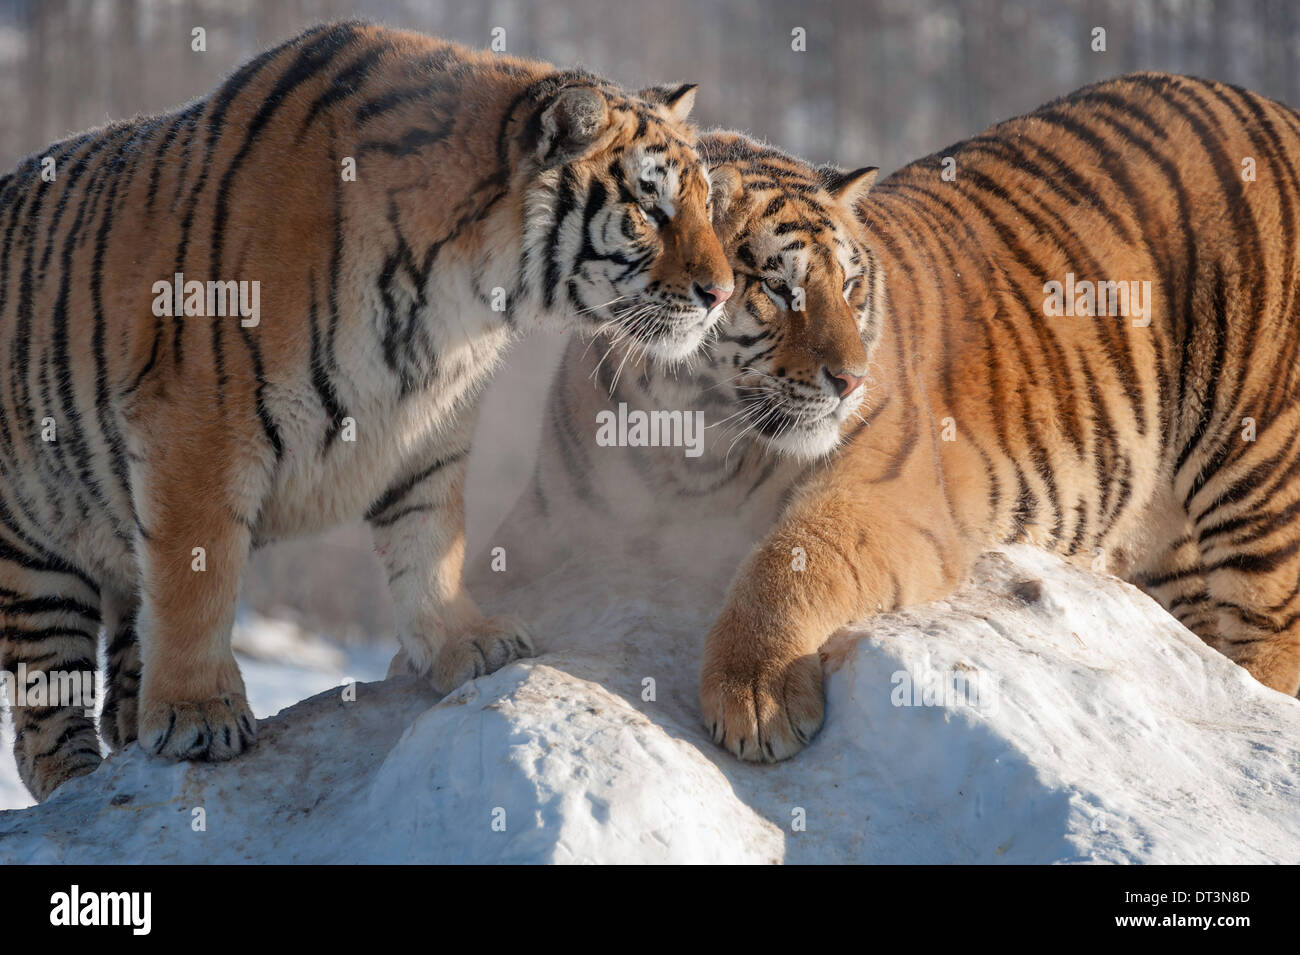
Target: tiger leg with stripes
{"type": "Point", "coordinates": [50, 626]}
{"type": "Point", "coordinates": [418, 532]}
{"type": "Point", "coordinates": [837, 554]}
{"type": "Point", "coordinates": [418, 529]}
{"type": "Point", "coordinates": [1166, 564]}
{"type": "Point", "coordinates": [192, 702]}
{"type": "Point", "coordinates": [1250, 555]}
{"type": "Point", "coordinates": [118, 719]}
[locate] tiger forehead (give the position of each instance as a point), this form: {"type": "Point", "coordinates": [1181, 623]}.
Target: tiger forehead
{"type": "Point", "coordinates": [797, 240]}
{"type": "Point", "coordinates": [671, 153]}
{"type": "Point", "coordinates": [644, 124]}
{"type": "Point", "coordinates": [678, 169]}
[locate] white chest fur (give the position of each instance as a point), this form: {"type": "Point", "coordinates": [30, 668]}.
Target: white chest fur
{"type": "Point", "coordinates": [386, 431]}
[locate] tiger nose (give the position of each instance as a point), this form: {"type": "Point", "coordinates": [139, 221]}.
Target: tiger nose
{"type": "Point", "coordinates": [844, 382]}
{"type": "Point", "coordinates": [711, 296]}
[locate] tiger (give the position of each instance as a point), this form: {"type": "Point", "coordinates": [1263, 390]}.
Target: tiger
{"type": "Point", "coordinates": [275, 309]}
{"type": "Point", "coordinates": [900, 387]}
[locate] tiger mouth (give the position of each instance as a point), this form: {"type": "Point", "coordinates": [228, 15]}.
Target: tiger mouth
{"type": "Point", "coordinates": [670, 332]}
{"type": "Point", "coordinates": [807, 439]}
{"type": "Point", "coordinates": [806, 433]}
{"type": "Point", "coordinates": [779, 422]}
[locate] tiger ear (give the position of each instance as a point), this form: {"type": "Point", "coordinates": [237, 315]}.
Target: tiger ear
{"type": "Point", "coordinates": [572, 122]}
{"type": "Point", "coordinates": [727, 192]}
{"type": "Point", "coordinates": [677, 100]}
{"type": "Point", "coordinates": [848, 187]}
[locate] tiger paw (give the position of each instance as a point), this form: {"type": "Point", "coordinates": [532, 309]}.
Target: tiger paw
{"type": "Point", "coordinates": [763, 710]}
{"type": "Point", "coordinates": [77, 756]}
{"type": "Point", "coordinates": [486, 648]}
{"type": "Point", "coordinates": [216, 729]}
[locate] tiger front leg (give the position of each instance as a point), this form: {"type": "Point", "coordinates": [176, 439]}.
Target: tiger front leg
{"type": "Point", "coordinates": [194, 547]}
{"type": "Point", "coordinates": [828, 562]}
{"type": "Point", "coordinates": [418, 527]}
{"type": "Point", "coordinates": [118, 721]}
{"type": "Point", "coordinates": [761, 680]}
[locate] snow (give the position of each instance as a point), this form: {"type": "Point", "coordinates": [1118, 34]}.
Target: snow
{"type": "Point", "coordinates": [13, 795]}
{"type": "Point", "coordinates": [1088, 726]}
{"type": "Point", "coordinates": [281, 662]}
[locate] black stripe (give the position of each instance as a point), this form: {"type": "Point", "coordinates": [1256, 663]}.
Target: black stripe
{"type": "Point", "coordinates": [397, 492]}
{"type": "Point", "coordinates": [347, 82]}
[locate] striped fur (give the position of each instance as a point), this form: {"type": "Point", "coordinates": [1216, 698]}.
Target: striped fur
{"type": "Point", "coordinates": [989, 420]}
{"type": "Point", "coordinates": [982, 419]}
{"type": "Point", "coordinates": [492, 195]}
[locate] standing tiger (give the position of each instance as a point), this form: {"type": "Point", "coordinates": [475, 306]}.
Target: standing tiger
{"type": "Point", "coordinates": [914, 331]}
{"type": "Point", "coordinates": [401, 208]}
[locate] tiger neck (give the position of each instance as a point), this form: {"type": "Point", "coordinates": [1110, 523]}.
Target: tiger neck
{"type": "Point", "coordinates": [622, 412]}
{"type": "Point", "coordinates": [930, 294]}
{"type": "Point", "coordinates": [622, 503]}
{"type": "Point", "coordinates": [455, 216]}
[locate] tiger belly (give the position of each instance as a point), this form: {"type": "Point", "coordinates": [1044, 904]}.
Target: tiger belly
{"type": "Point", "coordinates": [329, 476]}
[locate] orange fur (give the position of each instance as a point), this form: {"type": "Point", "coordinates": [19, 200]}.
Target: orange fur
{"type": "Point", "coordinates": [491, 195]}
{"type": "Point", "coordinates": [990, 420]}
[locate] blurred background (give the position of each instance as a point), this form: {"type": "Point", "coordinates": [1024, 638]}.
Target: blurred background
{"type": "Point", "coordinates": [876, 82]}
{"type": "Point", "coordinates": [879, 82]}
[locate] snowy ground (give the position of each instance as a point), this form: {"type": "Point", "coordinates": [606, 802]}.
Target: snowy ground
{"type": "Point", "coordinates": [1088, 726]}
{"type": "Point", "coordinates": [281, 663]}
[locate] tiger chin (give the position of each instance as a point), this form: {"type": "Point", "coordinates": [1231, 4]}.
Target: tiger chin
{"type": "Point", "coordinates": [988, 417]}
{"type": "Point", "coordinates": [407, 207]}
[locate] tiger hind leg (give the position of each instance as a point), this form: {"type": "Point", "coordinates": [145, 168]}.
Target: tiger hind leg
{"type": "Point", "coordinates": [118, 722]}
{"type": "Point", "coordinates": [49, 633]}
{"type": "Point", "coordinates": [1255, 629]}
{"type": "Point", "coordinates": [1261, 636]}
{"type": "Point", "coordinates": [1250, 553]}
{"type": "Point", "coordinates": [1167, 566]}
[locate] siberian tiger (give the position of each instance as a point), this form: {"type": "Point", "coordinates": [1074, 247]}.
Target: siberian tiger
{"type": "Point", "coordinates": [407, 206]}
{"type": "Point", "coordinates": [896, 357]}
{"type": "Point", "coordinates": [1009, 390]}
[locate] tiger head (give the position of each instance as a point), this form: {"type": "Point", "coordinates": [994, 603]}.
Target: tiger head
{"type": "Point", "coordinates": [793, 349]}
{"type": "Point", "coordinates": [618, 215]}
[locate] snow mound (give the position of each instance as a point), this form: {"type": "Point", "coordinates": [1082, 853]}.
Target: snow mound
{"type": "Point", "coordinates": [1043, 714]}
{"type": "Point", "coordinates": [280, 662]}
